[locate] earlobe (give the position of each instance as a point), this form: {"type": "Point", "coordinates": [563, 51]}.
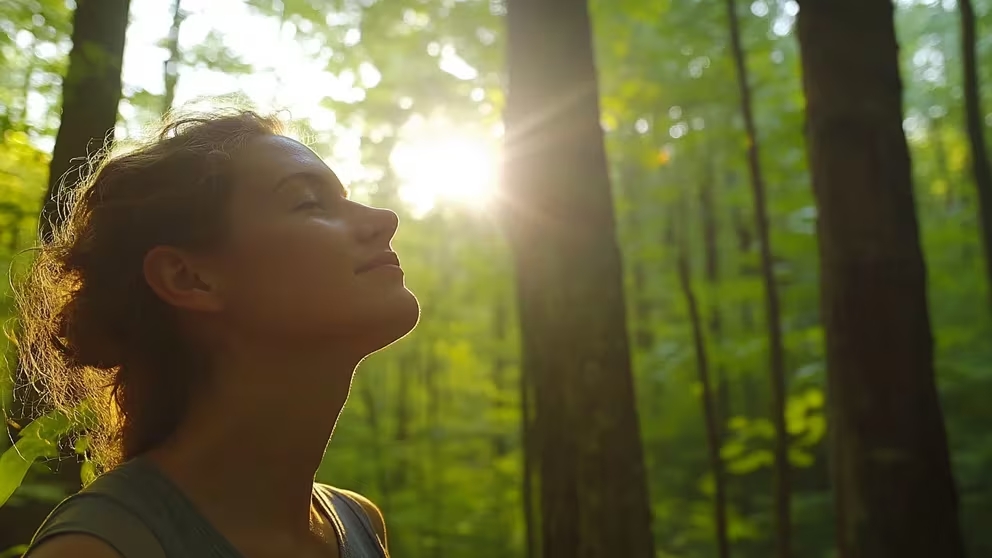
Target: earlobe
{"type": "Point", "coordinates": [180, 280]}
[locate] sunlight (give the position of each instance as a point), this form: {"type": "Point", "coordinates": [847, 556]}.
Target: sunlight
{"type": "Point", "coordinates": [437, 162]}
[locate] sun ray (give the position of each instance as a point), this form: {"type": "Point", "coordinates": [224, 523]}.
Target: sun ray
{"type": "Point", "coordinates": [439, 163]}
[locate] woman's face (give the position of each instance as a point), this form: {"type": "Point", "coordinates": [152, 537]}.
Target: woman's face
{"type": "Point", "coordinates": [303, 264]}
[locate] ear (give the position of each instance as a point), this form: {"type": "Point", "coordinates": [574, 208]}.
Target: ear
{"type": "Point", "coordinates": [181, 280]}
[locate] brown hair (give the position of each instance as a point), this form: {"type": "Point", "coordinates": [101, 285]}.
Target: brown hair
{"type": "Point", "coordinates": [91, 329]}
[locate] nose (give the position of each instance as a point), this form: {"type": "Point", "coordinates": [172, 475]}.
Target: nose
{"type": "Point", "coordinates": [378, 225]}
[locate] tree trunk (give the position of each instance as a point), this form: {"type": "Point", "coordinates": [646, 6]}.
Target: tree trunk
{"type": "Point", "coordinates": [709, 410]}
{"type": "Point", "coordinates": [375, 449]}
{"type": "Point", "coordinates": [710, 222]}
{"type": "Point", "coordinates": [19, 116]}
{"type": "Point", "coordinates": [170, 72]}
{"type": "Point", "coordinates": [529, 457]}
{"type": "Point", "coordinates": [782, 491]}
{"type": "Point", "coordinates": [560, 225]}
{"type": "Point", "coordinates": [398, 478]}
{"type": "Point", "coordinates": [894, 493]}
{"type": "Point", "coordinates": [435, 474]}
{"type": "Point", "coordinates": [501, 439]}
{"type": "Point", "coordinates": [91, 91]}
{"type": "Point", "coordinates": [975, 124]}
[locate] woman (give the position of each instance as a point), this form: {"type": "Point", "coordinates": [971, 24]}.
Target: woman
{"type": "Point", "coordinates": [210, 296]}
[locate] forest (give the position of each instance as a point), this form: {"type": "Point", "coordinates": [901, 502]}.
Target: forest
{"type": "Point", "coordinates": [698, 278]}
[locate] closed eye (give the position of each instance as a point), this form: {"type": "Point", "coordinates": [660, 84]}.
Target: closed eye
{"type": "Point", "coordinates": [308, 205]}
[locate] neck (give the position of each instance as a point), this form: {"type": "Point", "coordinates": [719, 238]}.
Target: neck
{"type": "Point", "coordinates": [261, 416]}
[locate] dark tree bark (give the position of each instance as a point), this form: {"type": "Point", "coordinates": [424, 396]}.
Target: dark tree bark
{"type": "Point", "coordinates": [560, 224]}
{"type": "Point", "coordinates": [894, 492]}
{"type": "Point", "coordinates": [91, 91]}
{"type": "Point", "coordinates": [782, 491]}
{"type": "Point", "coordinates": [975, 122]}
{"type": "Point", "coordinates": [709, 409]}
{"type": "Point", "coordinates": [170, 71]}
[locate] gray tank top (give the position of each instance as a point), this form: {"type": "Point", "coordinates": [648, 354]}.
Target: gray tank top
{"type": "Point", "coordinates": [140, 513]}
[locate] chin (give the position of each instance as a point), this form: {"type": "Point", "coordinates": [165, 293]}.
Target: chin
{"type": "Point", "coordinates": [395, 321]}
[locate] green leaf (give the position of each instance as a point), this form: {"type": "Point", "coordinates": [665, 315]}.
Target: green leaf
{"type": "Point", "coordinates": [14, 551]}
{"type": "Point", "coordinates": [39, 440]}
{"type": "Point", "coordinates": [15, 462]}
{"type": "Point", "coordinates": [750, 462]}
{"type": "Point", "coordinates": [81, 445]}
{"type": "Point", "coordinates": [87, 472]}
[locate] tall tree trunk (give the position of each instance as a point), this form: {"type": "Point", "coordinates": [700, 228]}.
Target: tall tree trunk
{"type": "Point", "coordinates": [782, 488]}
{"type": "Point", "coordinates": [407, 364]}
{"type": "Point", "coordinates": [500, 438]}
{"type": "Point", "coordinates": [531, 533]}
{"type": "Point", "coordinates": [560, 225]}
{"type": "Point", "coordinates": [976, 123]}
{"type": "Point", "coordinates": [19, 116]}
{"type": "Point", "coordinates": [894, 493]}
{"type": "Point", "coordinates": [630, 188]}
{"type": "Point", "coordinates": [435, 474]}
{"type": "Point", "coordinates": [372, 418]}
{"type": "Point", "coordinates": [710, 222]}
{"type": "Point", "coordinates": [709, 409]}
{"type": "Point", "coordinates": [91, 91]}
{"type": "Point", "coordinates": [501, 368]}
{"type": "Point", "coordinates": [170, 71]}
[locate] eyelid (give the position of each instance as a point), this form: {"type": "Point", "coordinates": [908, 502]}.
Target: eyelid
{"type": "Point", "coordinates": [308, 203]}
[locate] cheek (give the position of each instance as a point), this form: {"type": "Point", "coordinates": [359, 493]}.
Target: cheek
{"type": "Point", "coordinates": [290, 277]}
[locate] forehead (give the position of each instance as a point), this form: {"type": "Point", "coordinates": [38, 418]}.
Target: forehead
{"type": "Point", "coordinates": [266, 159]}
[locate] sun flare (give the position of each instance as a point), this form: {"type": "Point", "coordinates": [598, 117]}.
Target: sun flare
{"type": "Point", "coordinates": [445, 164]}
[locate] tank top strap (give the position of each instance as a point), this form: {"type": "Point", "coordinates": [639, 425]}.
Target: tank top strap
{"type": "Point", "coordinates": [354, 526]}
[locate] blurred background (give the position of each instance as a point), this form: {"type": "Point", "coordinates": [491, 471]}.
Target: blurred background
{"type": "Point", "coordinates": [404, 100]}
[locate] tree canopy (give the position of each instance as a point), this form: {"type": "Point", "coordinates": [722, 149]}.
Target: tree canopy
{"type": "Point", "coordinates": [406, 98]}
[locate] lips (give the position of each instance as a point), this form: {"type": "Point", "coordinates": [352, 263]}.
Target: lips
{"type": "Point", "coordinates": [387, 257]}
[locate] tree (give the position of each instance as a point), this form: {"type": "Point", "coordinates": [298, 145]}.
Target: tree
{"type": "Point", "coordinates": [560, 224]}
{"type": "Point", "coordinates": [894, 493]}
{"type": "Point", "coordinates": [91, 91]}
{"type": "Point", "coordinates": [975, 124]}
{"type": "Point", "coordinates": [709, 408]}
{"type": "Point", "coordinates": [776, 351]}
{"type": "Point", "coordinates": [170, 70]}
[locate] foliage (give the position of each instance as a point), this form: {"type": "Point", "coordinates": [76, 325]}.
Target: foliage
{"type": "Point", "coordinates": [431, 432]}
{"type": "Point", "coordinates": [40, 440]}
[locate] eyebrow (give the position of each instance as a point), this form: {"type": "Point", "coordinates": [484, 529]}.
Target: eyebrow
{"type": "Point", "coordinates": [319, 178]}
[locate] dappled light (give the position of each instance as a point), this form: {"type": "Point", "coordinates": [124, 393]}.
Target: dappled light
{"type": "Point", "coordinates": [709, 283]}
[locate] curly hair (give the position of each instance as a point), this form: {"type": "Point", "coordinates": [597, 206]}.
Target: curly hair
{"type": "Point", "coordinates": [90, 328]}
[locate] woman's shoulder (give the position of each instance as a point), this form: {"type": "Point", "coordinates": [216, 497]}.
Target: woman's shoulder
{"type": "Point", "coordinates": [103, 517]}
{"type": "Point", "coordinates": [75, 545]}
{"type": "Point", "coordinates": [94, 524]}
